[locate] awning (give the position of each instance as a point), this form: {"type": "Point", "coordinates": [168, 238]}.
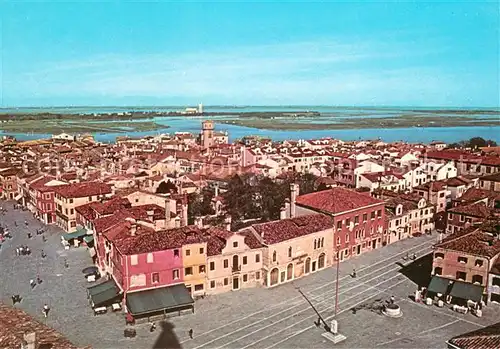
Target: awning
{"type": "Point", "coordinates": [106, 292]}
{"type": "Point", "coordinates": [75, 235]}
{"type": "Point", "coordinates": [158, 299]}
{"type": "Point", "coordinates": [439, 284]}
{"type": "Point", "coordinates": [18, 197]}
{"type": "Point", "coordinates": [467, 291]}
{"type": "Point", "coordinates": [88, 239]}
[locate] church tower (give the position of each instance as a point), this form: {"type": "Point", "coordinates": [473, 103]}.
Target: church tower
{"type": "Point", "coordinates": [207, 134]}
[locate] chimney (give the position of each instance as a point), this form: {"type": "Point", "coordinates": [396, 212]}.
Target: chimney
{"type": "Point", "coordinates": [133, 229]}
{"type": "Point", "coordinates": [198, 221]}
{"type": "Point", "coordinates": [30, 340]}
{"type": "Point", "coordinates": [151, 215]}
{"type": "Point", "coordinates": [294, 192]}
{"type": "Point", "coordinates": [167, 213]}
{"type": "Point", "coordinates": [177, 222]}
{"type": "Point", "coordinates": [184, 211]}
{"type": "Point", "coordinates": [283, 212]}
{"type": "Point", "coordinates": [227, 223]}
{"type": "Point", "coordinates": [216, 190]}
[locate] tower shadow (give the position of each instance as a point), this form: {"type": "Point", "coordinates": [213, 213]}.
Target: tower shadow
{"type": "Point", "coordinates": [167, 338]}
{"type": "Point", "coordinates": [418, 271]}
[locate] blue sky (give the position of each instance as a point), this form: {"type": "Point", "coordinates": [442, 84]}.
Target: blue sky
{"type": "Point", "coordinates": [263, 53]}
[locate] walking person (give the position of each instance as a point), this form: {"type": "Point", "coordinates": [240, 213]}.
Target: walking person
{"type": "Point", "coordinates": [353, 272]}
{"type": "Point", "coordinates": [66, 265]}
{"type": "Point", "coordinates": [32, 283]}
{"type": "Point", "coordinates": [46, 310]}
{"type": "Point", "coordinates": [191, 333]}
{"type": "Point", "coordinates": [38, 280]}
{"type": "Point", "coordinates": [152, 327]}
{"type": "Point", "coordinates": [43, 254]}
{"type": "Point", "coordinates": [392, 299]}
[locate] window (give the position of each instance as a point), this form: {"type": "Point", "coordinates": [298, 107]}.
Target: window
{"type": "Point", "coordinates": [461, 275]}
{"type": "Point", "coordinates": [226, 263]}
{"type": "Point", "coordinates": [226, 281]}
{"type": "Point", "coordinates": [198, 287]}
{"type": "Point", "coordinates": [346, 237]}
{"type": "Point", "coordinates": [462, 218]}
{"type": "Point", "coordinates": [133, 259]}
{"type": "Point", "coordinates": [338, 240]}
{"type": "Point", "coordinates": [73, 224]}
{"type": "Point", "coordinates": [315, 244]}
{"type": "Point", "coordinates": [462, 260]}
{"type": "Point", "coordinates": [274, 256]}
{"type": "Point", "coordinates": [188, 252]}
{"type": "Point", "coordinates": [478, 263]}
{"type": "Point", "coordinates": [188, 271]}
{"type": "Point", "coordinates": [441, 195]}
{"type": "Point", "coordinates": [257, 275]}
{"type": "Point", "coordinates": [156, 278]}
{"type": "Point", "coordinates": [257, 258]}
{"type": "Point", "coordinates": [70, 201]}
{"type": "Point", "coordinates": [496, 281]}
{"type": "Point", "coordinates": [245, 261]}
{"type": "Point", "coordinates": [176, 253]}
{"type": "Point", "coordinates": [212, 265]}
{"type": "Point", "coordinates": [450, 215]}
{"type": "Point", "coordinates": [235, 244]}
{"type": "Point", "coordinates": [379, 213]}
{"type": "Point", "coordinates": [365, 217]}
{"type": "Point", "coordinates": [72, 211]}
{"type": "Point", "coordinates": [201, 269]}
{"type": "Point", "coordinates": [348, 222]}
{"type": "Point", "coordinates": [439, 255]}
{"type": "Point", "coordinates": [356, 220]}
{"type": "Point", "coordinates": [201, 250]}
{"type": "Point", "coordinates": [245, 277]}
{"type": "Point", "coordinates": [175, 274]}
{"type": "Point", "coordinates": [290, 252]}
{"type": "Point", "coordinates": [66, 211]}
{"type": "Point", "coordinates": [438, 271]}
{"type": "Point", "coordinates": [339, 225]}
{"type": "Point", "coordinates": [477, 279]}
{"type": "Point", "coordinates": [149, 258]}
{"type": "Point", "coordinates": [212, 284]}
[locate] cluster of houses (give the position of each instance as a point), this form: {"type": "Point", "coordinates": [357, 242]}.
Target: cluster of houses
{"type": "Point", "coordinates": [127, 202]}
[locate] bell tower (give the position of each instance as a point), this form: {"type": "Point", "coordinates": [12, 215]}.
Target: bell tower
{"type": "Point", "coordinates": [207, 133]}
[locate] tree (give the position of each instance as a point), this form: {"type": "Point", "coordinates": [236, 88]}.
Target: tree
{"type": "Point", "coordinates": [474, 142]}
{"type": "Point", "coordinates": [200, 204]}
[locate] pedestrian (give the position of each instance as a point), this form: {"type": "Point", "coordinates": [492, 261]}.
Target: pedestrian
{"type": "Point", "coordinates": [25, 222]}
{"type": "Point", "coordinates": [15, 223]}
{"type": "Point", "coordinates": [29, 235]}
{"type": "Point", "coordinates": [28, 251]}
{"type": "Point", "coordinates": [43, 254]}
{"type": "Point", "coordinates": [46, 310]}
{"type": "Point", "coordinates": [66, 265]}
{"type": "Point", "coordinates": [414, 257]}
{"type": "Point", "coordinates": [191, 333]}
{"type": "Point", "coordinates": [38, 279]}
{"type": "Point", "coordinates": [14, 299]}
{"type": "Point", "coordinates": [17, 251]}
{"type": "Point", "coordinates": [392, 299]}
{"type": "Point", "coordinates": [32, 283]}
{"type": "Point", "coordinates": [152, 327]}
{"type": "Point", "coordinates": [353, 272]}
{"type": "Point", "coordinates": [44, 239]}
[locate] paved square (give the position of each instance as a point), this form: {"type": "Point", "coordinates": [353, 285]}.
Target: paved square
{"type": "Point", "coordinates": [257, 318]}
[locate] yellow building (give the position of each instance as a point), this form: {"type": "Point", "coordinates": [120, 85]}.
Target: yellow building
{"type": "Point", "coordinates": [194, 260]}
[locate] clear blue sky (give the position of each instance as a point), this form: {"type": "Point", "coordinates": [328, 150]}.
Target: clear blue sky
{"type": "Point", "coordinates": [351, 53]}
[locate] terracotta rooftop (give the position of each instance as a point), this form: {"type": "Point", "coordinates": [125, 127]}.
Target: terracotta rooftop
{"type": "Point", "coordinates": [475, 210]}
{"type": "Point", "coordinates": [479, 241]}
{"type": "Point", "coordinates": [336, 200]}
{"type": "Point", "coordinates": [15, 323]}
{"type": "Point", "coordinates": [432, 186]}
{"type": "Point", "coordinates": [475, 194]}
{"type": "Point", "coordinates": [492, 177]}
{"type": "Point", "coordinates": [287, 229]}
{"type": "Point", "coordinates": [487, 337]}
{"type": "Point", "coordinates": [83, 189]}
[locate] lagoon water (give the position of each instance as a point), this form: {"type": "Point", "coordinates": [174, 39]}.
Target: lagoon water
{"type": "Point", "coordinates": [329, 114]}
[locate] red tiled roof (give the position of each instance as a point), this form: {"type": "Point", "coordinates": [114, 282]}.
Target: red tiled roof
{"type": "Point", "coordinates": [15, 323]}
{"type": "Point", "coordinates": [336, 200]}
{"type": "Point", "coordinates": [475, 194]}
{"type": "Point", "coordinates": [40, 183]}
{"type": "Point", "coordinates": [473, 240]}
{"type": "Point", "coordinates": [434, 186]}
{"type": "Point", "coordinates": [83, 189]}
{"type": "Point", "coordinates": [487, 337]}
{"type": "Point", "coordinates": [287, 229]}
{"type": "Point", "coordinates": [478, 209]}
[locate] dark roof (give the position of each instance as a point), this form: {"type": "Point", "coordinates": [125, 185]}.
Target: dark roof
{"type": "Point", "coordinates": [438, 285]}
{"type": "Point", "coordinates": [487, 337]}
{"type": "Point", "coordinates": [165, 298]}
{"type": "Point", "coordinates": [15, 323]}
{"type": "Point", "coordinates": [336, 200]}
{"type": "Point", "coordinates": [495, 177]}
{"type": "Point", "coordinates": [478, 209]}
{"type": "Point", "coordinates": [287, 229]}
{"type": "Point", "coordinates": [467, 291]}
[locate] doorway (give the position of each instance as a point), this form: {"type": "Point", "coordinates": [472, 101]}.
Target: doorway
{"type": "Point", "coordinates": [374, 244]}
{"type": "Point", "coordinates": [236, 283]}
{"type": "Point", "coordinates": [314, 266]}
{"type": "Point", "coordinates": [359, 249]}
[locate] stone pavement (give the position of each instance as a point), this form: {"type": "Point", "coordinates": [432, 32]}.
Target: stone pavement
{"type": "Point", "coordinates": [258, 318]}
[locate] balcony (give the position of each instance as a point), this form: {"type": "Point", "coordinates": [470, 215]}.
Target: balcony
{"type": "Point", "coordinates": [236, 269]}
